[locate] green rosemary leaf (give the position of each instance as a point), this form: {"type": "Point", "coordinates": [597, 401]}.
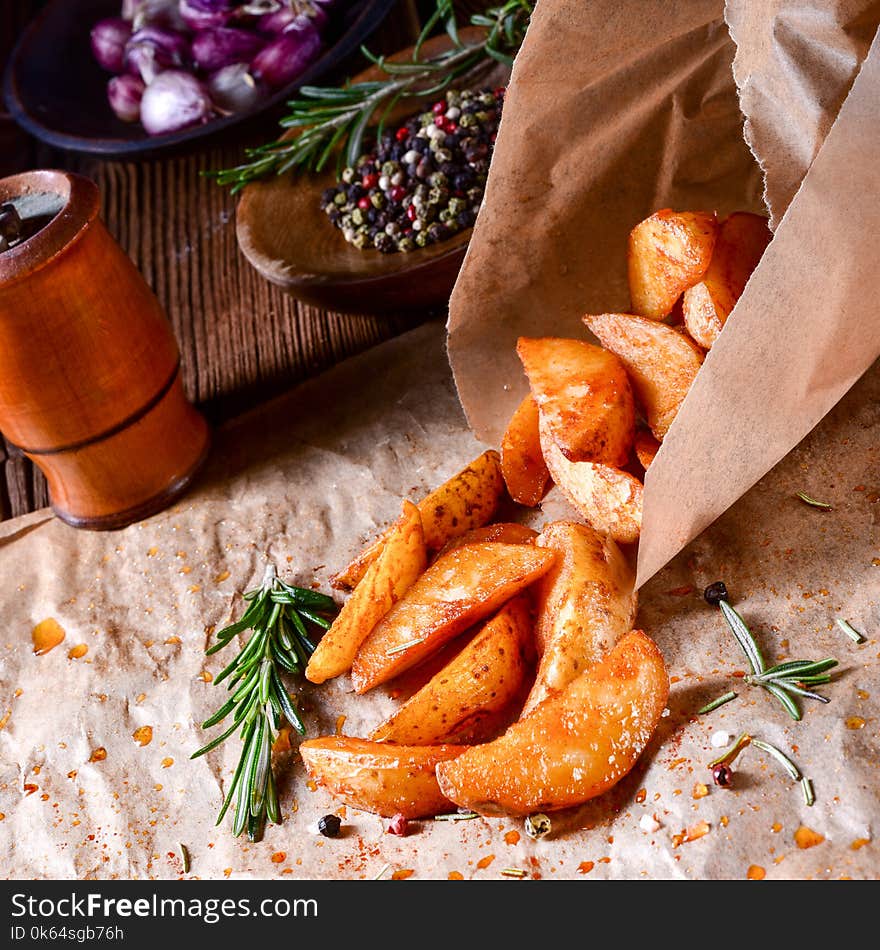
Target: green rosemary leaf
{"type": "Point", "coordinates": [288, 708]}
{"type": "Point", "coordinates": [261, 771]}
{"type": "Point", "coordinates": [850, 630]}
{"type": "Point", "coordinates": [452, 30]}
{"type": "Point", "coordinates": [236, 778]}
{"type": "Point", "coordinates": [744, 637]}
{"type": "Point", "coordinates": [780, 757]}
{"type": "Point", "coordinates": [308, 598]}
{"type": "Point", "coordinates": [794, 688]}
{"type": "Point", "coordinates": [801, 667]}
{"type": "Point", "coordinates": [220, 715]}
{"type": "Point", "coordinates": [272, 810]}
{"type": "Point", "coordinates": [215, 742]}
{"type": "Point", "coordinates": [812, 502]}
{"type": "Point", "coordinates": [265, 672]}
{"type": "Point", "coordinates": [732, 751]}
{"type": "Point", "coordinates": [315, 618]}
{"type": "Point", "coordinates": [787, 702]}
{"type": "Point", "coordinates": [818, 680]}
{"type": "Point", "coordinates": [506, 60]}
{"type": "Point", "coordinates": [325, 155]}
{"type": "Point", "coordinates": [715, 703]}
{"type": "Point", "coordinates": [807, 788]}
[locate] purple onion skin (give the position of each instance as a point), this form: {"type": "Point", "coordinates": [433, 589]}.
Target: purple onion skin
{"type": "Point", "coordinates": [174, 100]}
{"type": "Point", "coordinates": [153, 13]}
{"type": "Point", "coordinates": [206, 14]}
{"type": "Point", "coordinates": [286, 57]}
{"type": "Point", "coordinates": [108, 43]}
{"type": "Point", "coordinates": [233, 89]}
{"type": "Point", "coordinates": [287, 20]}
{"type": "Point", "coordinates": [223, 46]}
{"type": "Point", "coordinates": [154, 49]}
{"type": "Point", "coordinates": [124, 93]}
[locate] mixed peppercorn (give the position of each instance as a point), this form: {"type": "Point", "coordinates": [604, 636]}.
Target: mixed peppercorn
{"type": "Point", "coordinates": [422, 183]}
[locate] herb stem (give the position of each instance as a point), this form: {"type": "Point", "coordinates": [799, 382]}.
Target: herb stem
{"type": "Point", "coordinates": [715, 703]}
{"type": "Point", "coordinates": [850, 631]}
{"type": "Point", "coordinates": [780, 757]}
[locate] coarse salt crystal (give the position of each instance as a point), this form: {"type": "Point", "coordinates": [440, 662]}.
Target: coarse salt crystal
{"type": "Point", "coordinates": [665, 713]}
{"type": "Point", "coordinates": [649, 823]}
{"type": "Point", "coordinates": [720, 739]}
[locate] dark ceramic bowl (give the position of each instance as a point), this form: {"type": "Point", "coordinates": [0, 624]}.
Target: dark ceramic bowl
{"type": "Point", "coordinates": [56, 91]}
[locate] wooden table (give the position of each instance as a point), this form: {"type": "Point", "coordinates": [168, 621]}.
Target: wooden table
{"type": "Point", "coordinates": [242, 340]}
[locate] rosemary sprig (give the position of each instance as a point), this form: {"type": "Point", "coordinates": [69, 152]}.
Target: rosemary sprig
{"type": "Point", "coordinates": [334, 120]}
{"type": "Point", "coordinates": [784, 681]}
{"type": "Point", "coordinates": [277, 614]}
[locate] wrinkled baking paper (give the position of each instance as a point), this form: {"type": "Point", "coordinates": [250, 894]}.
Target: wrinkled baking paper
{"type": "Point", "coordinates": [95, 775]}
{"type": "Point", "coordinates": [645, 114]}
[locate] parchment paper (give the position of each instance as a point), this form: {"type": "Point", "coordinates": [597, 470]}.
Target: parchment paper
{"type": "Point", "coordinates": [644, 111]}
{"type": "Point", "coordinates": [304, 482]}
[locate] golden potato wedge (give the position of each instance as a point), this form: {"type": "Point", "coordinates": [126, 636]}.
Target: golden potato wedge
{"type": "Point", "coordinates": [402, 559]}
{"type": "Point", "coordinates": [379, 777]}
{"type": "Point", "coordinates": [584, 394]}
{"type": "Point", "coordinates": [585, 603]}
{"type": "Point", "coordinates": [482, 680]}
{"type": "Point", "coordinates": [507, 532]}
{"type": "Point", "coordinates": [456, 591]}
{"type": "Point", "coordinates": [608, 498]}
{"type": "Point", "coordinates": [661, 362]}
{"type": "Point", "coordinates": [666, 254]}
{"type": "Point", "coordinates": [467, 500]}
{"type": "Point", "coordinates": [573, 746]}
{"type": "Point", "coordinates": [742, 239]}
{"type": "Point", "coordinates": [522, 465]}
{"type": "Point", "coordinates": [646, 448]}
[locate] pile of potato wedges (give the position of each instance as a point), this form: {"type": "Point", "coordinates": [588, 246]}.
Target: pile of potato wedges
{"type": "Point", "coordinates": [543, 622]}
{"type": "Point", "coordinates": [544, 695]}
{"type": "Point", "coordinates": [596, 416]}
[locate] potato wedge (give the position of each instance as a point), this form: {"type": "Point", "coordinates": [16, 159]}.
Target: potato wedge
{"type": "Point", "coordinates": [583, 393]}
{"type": "Point", "coordinates": [646, 448]}
{"type": "Point", "coordinates": [522, 464]}
{"type": "Point", "coordinates": [467, 500]}
{"type": "Point", "coordinates": [585, 603]}
{"type": "Point", "coordinates": [456, 591]}
{"type": "Point", "coordinates": [666, 254]}
{"type": "Point", "coordinates": [482, 680]}
{"type": "Point", "coordinates": [661, 362]}
{"type": "Point", "coordinates": [379, 777]}
{"type": "Point", "coordinates": [507, 532]}
{"type": "Point", "coordinates": [573, 746]}
{"type": "Point", "coordinates": [608, 498]}
{"type": "Point", "coordinates": [742, 239]}
{"type": "Point", "coordinates": [402, 559]}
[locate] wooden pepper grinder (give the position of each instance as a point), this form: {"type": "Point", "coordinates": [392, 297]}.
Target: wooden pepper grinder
{"type": "Point", "coordinates": [90, 386]}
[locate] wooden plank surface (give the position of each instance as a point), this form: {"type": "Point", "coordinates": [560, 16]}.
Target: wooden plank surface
{"type": "Point", "coordinates": [242, 340]}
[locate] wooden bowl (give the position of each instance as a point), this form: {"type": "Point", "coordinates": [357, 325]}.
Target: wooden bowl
{"type": "Point", "coordinates": [284, 233]}
{"type": "Point", "coordinates": [56, 91]}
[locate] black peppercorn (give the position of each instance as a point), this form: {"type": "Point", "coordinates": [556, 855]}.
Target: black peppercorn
{"type": "Point", "coordinates": [329, 826]}
{"type": "Point", "coordinates": [715, 593]}
{"type": "Point", "coordinates": [722, 776]}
